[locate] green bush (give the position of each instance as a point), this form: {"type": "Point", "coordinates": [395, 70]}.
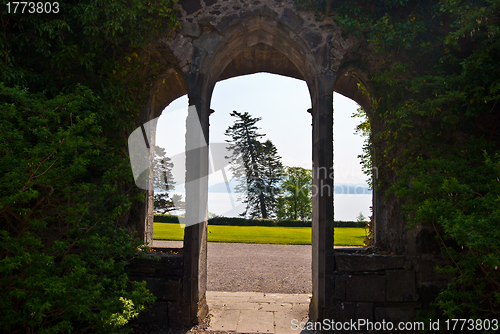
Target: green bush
{"type": "Point", "coordinates": [166, 219]}
{"type": "Point", "coordinates": [464, 211]}
{"type": "Point", "coordinates": [71, 86]}
{"type": "Point", "coordinates": [235, 221]}
{"type": "Point", "coordinates": [62, 255]}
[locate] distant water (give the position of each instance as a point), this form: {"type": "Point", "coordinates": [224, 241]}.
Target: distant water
{"type": "Point", "coordinates": [346, 206]}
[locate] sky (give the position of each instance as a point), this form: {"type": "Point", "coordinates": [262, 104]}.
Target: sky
{"type": "Point", "coordinates": [282, 103]}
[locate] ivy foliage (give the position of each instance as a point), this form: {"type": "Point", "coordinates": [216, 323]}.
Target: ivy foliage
{"type": "Point", "coordinates": [71, 85]}
{"type": "Point", "coordinates": [85, 42]}
{"type": "Point", "coordinates": [436, 109]}
{"type": "Point", "coordinates": [62, 258]}
{"type": "Point", "coordinates": [363, 130]}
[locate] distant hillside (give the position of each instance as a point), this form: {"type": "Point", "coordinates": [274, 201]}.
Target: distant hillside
{"type": "Point", "coordinates": [352, 189]}
{"type": "Point", "coordinates": [222, 187]}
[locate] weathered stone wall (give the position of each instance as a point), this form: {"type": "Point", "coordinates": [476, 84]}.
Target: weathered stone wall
{"type": "Point", "coordinates": [382, 287]}
{"type": "Point", "coordinates": [163, 273]}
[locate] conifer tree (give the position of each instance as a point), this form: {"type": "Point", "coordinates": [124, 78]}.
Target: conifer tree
{"type": "Point", "coordinates": [273, 172]}
{"type": "Point", "coordinates": [164, 181]}
{"type": "Point", "coordinates": [256, 165]}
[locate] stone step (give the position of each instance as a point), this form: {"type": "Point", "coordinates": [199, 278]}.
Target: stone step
{"type": "Point", "coordinates": [257, 312]}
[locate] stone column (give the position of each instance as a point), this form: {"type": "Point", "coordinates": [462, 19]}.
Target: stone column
{"type": "Point", "coordinates": [322, 213]}
{"type": "Point", "coordinates": [149, 203]}
{"type": "Point", "coordinates": [375, 201]}
{"type": "Point", "coordinates": [195, 234]}
{"type": "Point", "coordinates": [146, 214]}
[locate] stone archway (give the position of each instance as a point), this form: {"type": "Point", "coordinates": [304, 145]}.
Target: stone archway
{"type": "Point", "coordinates": [224, 39]}
{"type": "Point", "coordinates": [251, 45]}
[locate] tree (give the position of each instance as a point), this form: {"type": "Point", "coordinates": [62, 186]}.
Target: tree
{"type": "Point", "coordinates": [364, 130]}
{"type": "Point", "coordinates": [295, 201]}
{"type": "Point", "coordinates": [164, 180]}
{"type": "Point", "coordinates": [361, 218]}
{"type": "Point", "coordinates": [164, 204]}
{"type": "Point", "coordinates": [273, 172]}
{"type": "Point", "coordinates": [256, 165]}
{"type": "Point", "coordinates": [162, 170]}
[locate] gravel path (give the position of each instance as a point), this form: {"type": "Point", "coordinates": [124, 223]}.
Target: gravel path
{"type": "Point", "coordinates": [259, 267]}
{"type": "Point", "coordinates": [256, 267]}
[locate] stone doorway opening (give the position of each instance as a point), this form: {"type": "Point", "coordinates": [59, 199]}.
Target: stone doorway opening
{"type": "Point", "coordinates": [353, 193]}
{"type": "Point", "coordinates": [169, 190]}
{"type": "Point", "coordinates": [256, 43]}
{"type": "Point", "coordinates": [282, 105]}
{"type": "Point", "coordinates": [275, 310]}
{"type": "Point", "coordinates": [201, 260]}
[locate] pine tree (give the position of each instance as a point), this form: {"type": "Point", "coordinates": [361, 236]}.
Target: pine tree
{"type": "Point", "coordinates": [273, 172]}
{"type": "Point", "coordinates": [164, 180]}
{"type": "Point", "coordinates": [361, 218]}
{"type": "Point", "coordinates": [256, 165]}
{"type": "Point", "coordinates": [162, 170]}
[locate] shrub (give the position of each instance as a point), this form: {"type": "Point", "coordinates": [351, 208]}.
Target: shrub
{"type": "Point", "coordinates": [62, 255]}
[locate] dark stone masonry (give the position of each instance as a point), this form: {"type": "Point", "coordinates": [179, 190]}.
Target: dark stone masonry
{"type": "Point", "coordinates": [163, 273]}
{"type": "Point", "coordinates": [373, 286]}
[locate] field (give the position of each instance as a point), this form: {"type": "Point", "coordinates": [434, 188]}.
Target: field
{"type": "Point", "coordinates": [344, 236]}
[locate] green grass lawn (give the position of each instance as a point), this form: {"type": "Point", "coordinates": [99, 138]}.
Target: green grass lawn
{"type": "Point", "coordinates": [344, 236]}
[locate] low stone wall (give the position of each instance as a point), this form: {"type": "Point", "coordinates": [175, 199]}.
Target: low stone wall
{"type": "Point", "coordinates": [372, 287]}
{"type": "Point", "coordinates": [381, 287]}
{"type": "Point", "coordinates": [163, 273]}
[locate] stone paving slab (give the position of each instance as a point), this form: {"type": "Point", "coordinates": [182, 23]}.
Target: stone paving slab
{"type": "Point", "coordinates": [214, 295]}
{"type": "Point", "coordinates": [242, 306]}
{"type": "Point", "coordinates": [224, 320]}
{"type": "Point", "coordinates": [283, 320]}
{"type": "Point", "coordinates": [253, 321]}
{"type": "Point", "coordinates": [275, 307]}
{"type": "Point", "coordinates": [256, 312]}
{"type": "Point", "coordinates": [283, 298]}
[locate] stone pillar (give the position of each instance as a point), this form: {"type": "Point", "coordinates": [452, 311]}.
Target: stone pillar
{"type": "Point", "coordinates": [322, 212]}
{"type": "Point", "coordinates": [195, 234]}
{"type": "Point", "coordinates": [149, 208]}
{"type": "Point", "coordinates": [376, 203]}
{"type": "Point", "coordinates": [150, 203]}
{"type": "Point", "coordinates": [146, 214]}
